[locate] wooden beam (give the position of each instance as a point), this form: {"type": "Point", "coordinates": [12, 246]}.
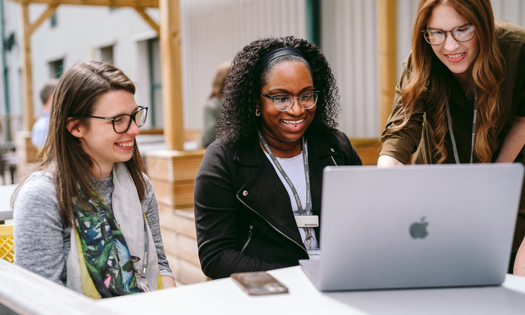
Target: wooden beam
{"type": "Point", "coordinates": [47, 13]}
{"type": "Point", "coordinates": [171, 74]}
{"type": "Point", "coordinates": [387, 58]}
{"type": "Point", "coordinates": [110, 3]}
{"type": "Point", "coordinates": [27, 79]}
{"type": "Point", "coordinates": [148, 19]}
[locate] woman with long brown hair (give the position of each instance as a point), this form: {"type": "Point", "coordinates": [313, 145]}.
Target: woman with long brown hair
{"type": "Point", "coordinates": [88, 217]}
{"type": "Point", "coordinates": [461, 95]}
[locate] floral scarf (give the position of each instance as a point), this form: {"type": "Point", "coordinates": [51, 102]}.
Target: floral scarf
{"type": "Point", "coordinates": [106, 252]}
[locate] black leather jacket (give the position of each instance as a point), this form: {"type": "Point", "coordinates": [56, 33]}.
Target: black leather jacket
{"type": "Point", "coordinates": [243, 212]}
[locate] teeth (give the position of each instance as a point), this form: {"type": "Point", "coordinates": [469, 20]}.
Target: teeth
{"type": "Point", "coordinates": [125, 144]}
{"type": "Point", "coordinates": [455, 56]}
{"type": "Point", "coordinates": [293, 122]}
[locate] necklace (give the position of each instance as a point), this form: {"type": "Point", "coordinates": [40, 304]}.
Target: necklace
{"type": "Point", "coordinates": [467, 94]}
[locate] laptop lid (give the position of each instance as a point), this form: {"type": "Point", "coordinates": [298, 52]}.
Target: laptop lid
{"type": "Point", "coordinates": [417, 226]}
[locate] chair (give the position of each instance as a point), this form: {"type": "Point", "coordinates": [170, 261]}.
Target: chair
{"type": "Point", "coordinates": [7, 246]}
{"type": "Point", "coordinates": [8, 159]}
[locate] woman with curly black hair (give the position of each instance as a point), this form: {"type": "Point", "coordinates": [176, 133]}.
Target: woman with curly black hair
{"type": "Point", "coordinates": [258, 190]}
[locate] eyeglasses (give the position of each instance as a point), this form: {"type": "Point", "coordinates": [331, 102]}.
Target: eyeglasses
{"type": "Point", "coordinates": [121, 123]}
{"type": "Point", "coordinates": [283, 102]}
{"type": "Point", "coordinates": [462, 33]}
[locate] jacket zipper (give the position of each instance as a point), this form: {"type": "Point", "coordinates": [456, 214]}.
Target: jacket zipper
{"type": "Point", "coordinates": [333, 160]}
{"type": "Point", "coordinates": [249, 239]}
{"type": "Point", "coordinates": [272, 225]}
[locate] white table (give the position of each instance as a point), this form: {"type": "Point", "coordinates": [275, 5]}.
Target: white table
{"type": "Point", "coordinates": [6, 213]}
{"type": "Point", "coordinates": [225, 297]}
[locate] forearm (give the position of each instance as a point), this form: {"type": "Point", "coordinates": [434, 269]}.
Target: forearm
{"type": "Point", "coordinates": [519, 264]}
{"type": "Point", "coordinates": [168, 282]}
{"type": "Point", "coordinates": [513, 142]}
{"type": "Point", "coordinates": [388, 161]}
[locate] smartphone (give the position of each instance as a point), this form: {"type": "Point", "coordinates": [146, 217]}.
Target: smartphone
{"type": "Point", "coordinates": [259, 283]}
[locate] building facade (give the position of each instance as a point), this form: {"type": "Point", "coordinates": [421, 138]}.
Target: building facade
{"type": "Point", "coordinates": [212, 32]}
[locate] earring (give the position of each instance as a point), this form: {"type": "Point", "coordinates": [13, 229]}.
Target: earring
{"type": "Point", "coordinates": [257, 112]}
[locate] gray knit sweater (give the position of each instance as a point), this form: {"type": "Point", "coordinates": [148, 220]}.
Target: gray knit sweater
{"type": "Point", "coordinates": [42, 242]}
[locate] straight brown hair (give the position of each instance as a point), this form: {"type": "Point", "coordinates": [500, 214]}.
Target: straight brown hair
{"type": "Point", "coordinates": [75, 97]}
{"type": "Point", "coordinates": [429, 76]}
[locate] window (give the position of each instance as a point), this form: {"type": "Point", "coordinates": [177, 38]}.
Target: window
{"type": "Point", "coordinates": [53, 20]}
{"type": "Point", "coordinates": [106, 54]}
{"type": "Point", "coordinates": [56, 68]}
{"type": "Point", "coordinates": [156, 115]}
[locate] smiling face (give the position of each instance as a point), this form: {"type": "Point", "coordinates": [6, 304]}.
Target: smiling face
{"type": "Point", "coordinates": [100, 141]}
{"type": "Point", "coordinates": [283, 130]}
{"type": "Point", "coordinates": [457, 56]}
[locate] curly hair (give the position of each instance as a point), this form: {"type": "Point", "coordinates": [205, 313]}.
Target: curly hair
{"type": "Point", "coordinates": [243, 85]}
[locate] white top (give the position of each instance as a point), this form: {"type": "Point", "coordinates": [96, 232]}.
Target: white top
{"type": "Point", "coordinates": [40, 130]}
{"type": "Point", "coordinates": [294, 168]}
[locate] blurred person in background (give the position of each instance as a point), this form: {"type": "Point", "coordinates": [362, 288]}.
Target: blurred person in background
{"type": "Point", "coordinates": [213, 107]}
{"type": "Point", "coordinates": [41, 127]}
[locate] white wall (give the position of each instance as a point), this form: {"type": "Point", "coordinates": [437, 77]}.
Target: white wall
{"type": "Point", "coordinates": [349, 41]}
{"type": "Point", "coordinates": [81, 30]}
{"type": "Point", "coordinates": [214, 31]}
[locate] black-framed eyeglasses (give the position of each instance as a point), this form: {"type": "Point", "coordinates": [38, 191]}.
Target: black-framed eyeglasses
{"type": "Point", "coordinates": [462, 33]}
{"type": "Point", "coordinates": [284, 102]}
{"type": "Point", "coordinates": [121, 123]}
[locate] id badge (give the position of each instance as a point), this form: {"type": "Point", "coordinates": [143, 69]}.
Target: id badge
{"type": "Point", "coordinates": [305, 221]}
{"type": "Point", "coordinates": [142, 284]}
{"type": "Point", "coordinates": [314, 254]}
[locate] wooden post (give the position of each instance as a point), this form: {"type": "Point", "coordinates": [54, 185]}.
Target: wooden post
{"type": "Point", "coordinates": [387, 58]}
{"type": "Point", "coordinates": [171, 74]}
{"type": "Point", "coordinates": [27, 80]}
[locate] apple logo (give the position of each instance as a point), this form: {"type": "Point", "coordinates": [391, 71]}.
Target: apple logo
{"type": "Point", "coordinates": [419, 229]}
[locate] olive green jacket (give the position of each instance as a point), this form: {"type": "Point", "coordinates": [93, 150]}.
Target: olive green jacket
{"type": "Point", "coordinates": [416, 137]}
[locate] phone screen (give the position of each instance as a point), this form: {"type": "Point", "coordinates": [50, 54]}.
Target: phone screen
{"type": "Point", "coordinates": [259, 283]}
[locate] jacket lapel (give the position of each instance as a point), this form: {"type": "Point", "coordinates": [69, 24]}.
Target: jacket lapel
{"type": "Point", "coordinates": [263, 191]}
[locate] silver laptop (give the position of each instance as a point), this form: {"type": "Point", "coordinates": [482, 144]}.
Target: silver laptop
{"type": "Point", "coordinates": [416, 226]}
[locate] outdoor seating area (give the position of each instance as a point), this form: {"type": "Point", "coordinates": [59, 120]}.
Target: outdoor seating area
{"type": "Point", "coordinates": [256, 156]}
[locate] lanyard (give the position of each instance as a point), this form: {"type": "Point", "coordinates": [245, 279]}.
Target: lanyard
{"type": "Point", "coordinates": [140, 276]}
{"type": "Point", "coordinates": [146, 249]}
{"type": "Point", "coordinates": [309, 238]}
{"type": "Point", "coordinates": [449, 119]}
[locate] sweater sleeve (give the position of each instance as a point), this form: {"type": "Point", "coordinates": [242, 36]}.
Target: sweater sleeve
{"type": "Point", "coordinates": [151, 209]}
{"type": "Point", "coordinates": [401, 144]}
{"type": "Point", "coordinates": [38, 230]}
